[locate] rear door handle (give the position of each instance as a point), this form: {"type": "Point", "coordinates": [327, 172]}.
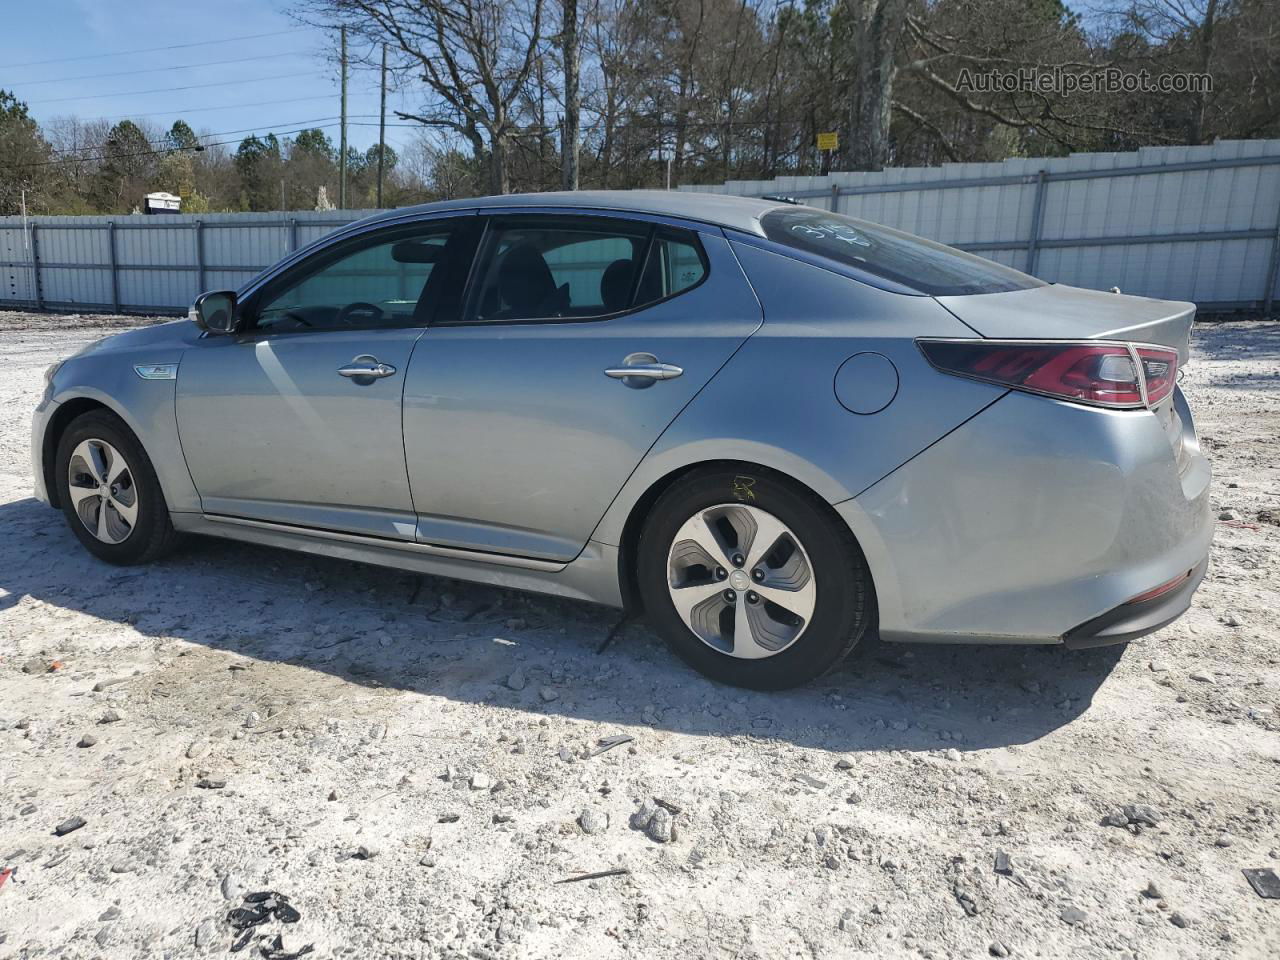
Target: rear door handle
{"type": "Point", "coordinates": [366, 366]}
{"type": "Point", "coordinates": [647, 371]}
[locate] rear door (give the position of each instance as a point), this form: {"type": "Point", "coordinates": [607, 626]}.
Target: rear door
{"type": "Point", "coordinates": [521, 423]}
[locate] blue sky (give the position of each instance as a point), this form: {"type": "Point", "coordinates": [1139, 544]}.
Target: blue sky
{"type": "Point", "coordinates": [82, 58]}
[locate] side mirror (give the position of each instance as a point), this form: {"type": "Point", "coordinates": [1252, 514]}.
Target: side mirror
{"type": "Point", "coordinates": [215, 313]}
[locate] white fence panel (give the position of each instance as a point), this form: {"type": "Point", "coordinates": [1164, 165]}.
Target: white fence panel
{"type": "Point", "coordinates": [1198, 223]}
{"type": "Point", "coordinates": [146, 263]}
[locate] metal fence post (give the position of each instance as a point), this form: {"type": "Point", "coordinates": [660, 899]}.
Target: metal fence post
{"type": "Point", "coordinates": [835, 198]}
{"type": "Point", "coordinates": [35, 268]}
{"type": "Point", "coordinates": [199, 225]}
{"type": "Point", "coordinates": [293, 235]}
{"type": "Point", "coordinates": [1268, 295]}
{"type": "Point", "coordinates": [111, 259]}
{"type": "Point", "coordinates": [1037, 215]}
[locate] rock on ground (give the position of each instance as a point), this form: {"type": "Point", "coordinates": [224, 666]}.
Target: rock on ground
{"type": "Point", "coordinates": [331, 740]}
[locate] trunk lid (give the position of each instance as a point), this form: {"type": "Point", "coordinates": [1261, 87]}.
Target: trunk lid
{"type": "Point", "coordinates": [1058, 312]}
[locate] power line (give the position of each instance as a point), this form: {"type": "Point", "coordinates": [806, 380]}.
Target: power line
{"type": "Point", "coordinates": [140, 93]}
{"type": "Point", "coordinates": [228, 106]}
{"type": "Point", "coordinates": [316, 123]}
{"type": "Point", "coordinates": [303, 124]}
{"type": "Point", "coordinates": [319, 123]}
{"type": "Point", "coordinates": [179, 66]}
{"type": "Point", "coordinates": [172, 46]}
{"type": "Point", "coordinates": [151, 153]}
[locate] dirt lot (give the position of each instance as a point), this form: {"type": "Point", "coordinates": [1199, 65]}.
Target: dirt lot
{"type": "Point", "coordinates": [410, 761]}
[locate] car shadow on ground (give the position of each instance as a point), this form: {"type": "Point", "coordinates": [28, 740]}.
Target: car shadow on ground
{"type": "Point", "coordinates": [444, 638]}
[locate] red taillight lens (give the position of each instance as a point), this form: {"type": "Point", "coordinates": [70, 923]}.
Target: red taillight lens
{"type": "Point", "coordinates": [1097, 373]}
{"type": "Point", "coordinates": [1160, 367]}
{"type": "Point", "coordinates": [1164, 588]}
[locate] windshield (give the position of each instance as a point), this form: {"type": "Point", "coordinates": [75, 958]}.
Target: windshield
{"type": "Point", "coordinates": [923, 265]}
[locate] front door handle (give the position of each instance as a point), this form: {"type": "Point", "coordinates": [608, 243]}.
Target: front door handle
{"type": "Point", "coordinates": [366, 366]}
{"type": "Point", "coordinates": [647, 371]}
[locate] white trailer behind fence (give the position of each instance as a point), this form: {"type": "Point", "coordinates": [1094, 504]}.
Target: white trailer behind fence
{"type": "Point", "coordinates": [1186, 223]}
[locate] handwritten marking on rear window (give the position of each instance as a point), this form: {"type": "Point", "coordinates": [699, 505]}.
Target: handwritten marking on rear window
{"type": "Point", "coordinates": [832, 231]}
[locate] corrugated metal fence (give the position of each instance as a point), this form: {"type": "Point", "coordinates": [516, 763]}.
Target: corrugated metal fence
{"type": "Point", "coordinates": [1187, 223]}
{"type": "Point", "coordinates": [146, 264]}
{"type": "Point", "coordinates": [1183, 223]}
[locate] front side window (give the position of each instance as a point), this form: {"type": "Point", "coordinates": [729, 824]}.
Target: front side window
{"type": "Point", "coordinates": [384, 284]}
{"type": "Point", "coordinates": [932, 268]}
{"type": "Point", "coordinates": [566, 268]}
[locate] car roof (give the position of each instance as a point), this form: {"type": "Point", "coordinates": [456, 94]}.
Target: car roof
{"type": "Point", "coordinates": [739, 213]}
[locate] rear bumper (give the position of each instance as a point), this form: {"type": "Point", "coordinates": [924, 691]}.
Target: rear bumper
{"type": "Point", "coordinates": [1129, 621]}
{"type": "Point", "coordinates": [1035, 522]}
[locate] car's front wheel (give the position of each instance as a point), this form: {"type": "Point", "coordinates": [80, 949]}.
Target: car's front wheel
{"type": "Point", "coordinates": [752, 580]}
{"type": "Point", "coordinates": [109, 491]}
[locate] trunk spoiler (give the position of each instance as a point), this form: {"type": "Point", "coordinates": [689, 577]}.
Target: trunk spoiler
{"type": "Point", "coordinates": [1058, 312]}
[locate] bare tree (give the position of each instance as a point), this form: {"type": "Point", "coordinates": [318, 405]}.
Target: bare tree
{"type": "Point", "coordinates": [1182, 22]}
{"type": "Point", "coordinates": [716, 88]}
{"type": "Point", "coordinates": [474, 56]}
{"type": "Point", "coordinates": [878, 25]}
{"type": "Point", "coordinates": [572, 107]}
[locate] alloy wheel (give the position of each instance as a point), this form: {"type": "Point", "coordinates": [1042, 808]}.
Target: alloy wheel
{"type": "Point", "coordinates": [741, 580]}
{"type": "Point", "coordinates": [102, 491]}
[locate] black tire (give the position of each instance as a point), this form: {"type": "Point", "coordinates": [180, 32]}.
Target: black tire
{"type": "Point", "coordinates": [845, 602]}
{"type": "Point", "coordinates": [153, 535]}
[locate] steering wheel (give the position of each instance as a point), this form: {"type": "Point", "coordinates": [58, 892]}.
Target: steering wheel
{"type": "Point", "coordinates": [373, 312]}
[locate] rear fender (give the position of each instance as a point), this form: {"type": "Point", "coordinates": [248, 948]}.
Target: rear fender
{"type": "Point", "coordinates": [774, 403]}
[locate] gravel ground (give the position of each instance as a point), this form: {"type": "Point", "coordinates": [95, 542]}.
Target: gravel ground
{"type": "Point", "coordinates": [413, 762]}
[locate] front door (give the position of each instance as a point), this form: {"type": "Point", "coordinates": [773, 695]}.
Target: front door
{"type": "Point", "coordinates": [296, 419]}
{"type": "Point", "coordinates": [521, 423]}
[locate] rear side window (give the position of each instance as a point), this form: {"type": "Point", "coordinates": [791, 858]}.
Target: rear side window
{"type": "Point", "coordinates": [930, 267]}
{"type": "Point", "coordinates": [580, 268]}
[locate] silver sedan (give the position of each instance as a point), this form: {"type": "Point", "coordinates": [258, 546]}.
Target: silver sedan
{"type": "Point", "coordinates": [774, 429]}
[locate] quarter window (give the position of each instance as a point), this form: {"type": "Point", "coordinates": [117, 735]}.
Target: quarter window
{"type": "Point", "coordinates": [675, 264]}
{"type": "Point", "coordinates": [386, 284]}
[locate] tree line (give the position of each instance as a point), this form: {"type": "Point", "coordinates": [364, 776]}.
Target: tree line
{"type": "Point", "coordinates": [538, 94]}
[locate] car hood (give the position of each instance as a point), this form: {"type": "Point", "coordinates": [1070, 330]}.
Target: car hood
{"type": "Point", "coordinates": [1058, 312]}
{"type": "Point", "coordinates": [175, 335]}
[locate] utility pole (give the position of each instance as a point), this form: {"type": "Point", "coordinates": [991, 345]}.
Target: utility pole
{"type": "Point", "coordinates": [342, 155]}
{"type": "Point", "coordinates": [382, 123]}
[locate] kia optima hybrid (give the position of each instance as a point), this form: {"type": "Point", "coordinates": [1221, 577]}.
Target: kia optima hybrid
{"type": "Point", "coordinates": [772, 428]}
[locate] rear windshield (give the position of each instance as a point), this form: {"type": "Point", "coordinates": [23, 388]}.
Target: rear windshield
{"type": "Point", "coordinates": [923, 265]}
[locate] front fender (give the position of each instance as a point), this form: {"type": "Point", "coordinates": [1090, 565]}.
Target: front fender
{"type": "Point", "coordinates": [146, 407]}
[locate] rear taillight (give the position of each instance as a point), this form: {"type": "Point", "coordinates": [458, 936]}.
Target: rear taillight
{"type": "Point", "coordinates": [1160, 367]}
{"type": "Point", "coordinates": [1101, 373]}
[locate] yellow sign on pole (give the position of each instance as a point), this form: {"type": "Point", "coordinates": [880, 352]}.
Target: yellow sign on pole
{"type": "Point", "coordinates": [828, 141]}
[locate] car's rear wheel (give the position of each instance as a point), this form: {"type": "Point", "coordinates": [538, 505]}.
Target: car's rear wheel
{"type": "Point", "coordinates": [109, 491]}
{"type": "Point", "coordinates": [752, 579]}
